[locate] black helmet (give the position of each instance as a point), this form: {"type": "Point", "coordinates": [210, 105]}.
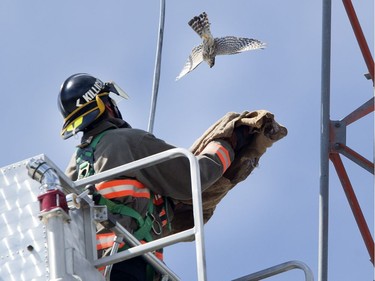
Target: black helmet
{"type": "Point", "coordinates": [82, 100]}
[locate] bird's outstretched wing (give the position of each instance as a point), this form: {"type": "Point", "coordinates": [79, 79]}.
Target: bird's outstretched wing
{"type": "Point", "coordinates": [192, 62]}
{"type": "Point", "coordinates": [230, 45]}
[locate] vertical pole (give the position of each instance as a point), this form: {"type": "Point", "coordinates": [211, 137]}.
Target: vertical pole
{"type": "Point", "coordinates": [155, 86]}
{"type": "Point", "coordinates": [324, 142]}
{"type": "Point", "coordinates": [198, 218]}
{"type": "Point", "coordinates": [56, 246]}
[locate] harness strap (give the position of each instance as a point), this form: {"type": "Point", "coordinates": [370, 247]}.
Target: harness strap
{"type": "Point", "coordinates": [85, 165]}
{"type": "Point", "coordinates": [85, 157]}
{"type": "Point", "coordinates": [145, 225]}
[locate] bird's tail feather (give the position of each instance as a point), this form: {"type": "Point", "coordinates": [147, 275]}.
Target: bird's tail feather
{"type": "Point", "coordinates": [200, 24]}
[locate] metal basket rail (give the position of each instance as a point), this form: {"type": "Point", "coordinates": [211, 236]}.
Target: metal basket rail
{"type": "Point", "coordinates": [195, 232]}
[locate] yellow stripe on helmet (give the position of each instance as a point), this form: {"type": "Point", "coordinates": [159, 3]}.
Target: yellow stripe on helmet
{"type": "Point", "coordinates": [73, 125]}
{"type": "Point", "coordinates": [97, 100]}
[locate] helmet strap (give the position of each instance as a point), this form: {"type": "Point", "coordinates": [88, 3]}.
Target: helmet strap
{"type": "Point", "coordinates": [113, 109]}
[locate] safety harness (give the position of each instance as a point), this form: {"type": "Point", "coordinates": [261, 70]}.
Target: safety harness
{"type": "Point", "coordinates": [146, 225]}
{"type": "Point", "coordinates": [85, 165]}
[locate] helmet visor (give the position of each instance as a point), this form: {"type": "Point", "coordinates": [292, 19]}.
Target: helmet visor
{"type": "Point", "coordinates": [119, 94]}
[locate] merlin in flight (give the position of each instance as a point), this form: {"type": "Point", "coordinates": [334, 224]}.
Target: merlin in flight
{"type": "Point", "coordinates": [212, 47]}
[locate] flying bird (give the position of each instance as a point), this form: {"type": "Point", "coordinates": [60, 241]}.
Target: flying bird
{"type": "Point", "coordinates": [212, 47]}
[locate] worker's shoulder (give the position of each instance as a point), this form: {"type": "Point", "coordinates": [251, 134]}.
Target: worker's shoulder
{"type": "Point", "coordinates": [124, 134]}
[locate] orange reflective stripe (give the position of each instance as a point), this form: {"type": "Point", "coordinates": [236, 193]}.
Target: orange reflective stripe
{"type": "Point", "coordinates": [159, 255]}
{"type": "Point", "coordinates": [120, 188]}
{"type": "Point", "coordinates": [221, 152]}
{"type": "Point", "coordinates": [158, 201]}
{"type": "Point", "coordinates": [163, 217]}
{"type": "Point", "coordinates": [105, 240]}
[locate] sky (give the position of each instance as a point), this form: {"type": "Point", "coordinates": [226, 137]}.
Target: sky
{"type": "Point", "coordinates": [273, 216]}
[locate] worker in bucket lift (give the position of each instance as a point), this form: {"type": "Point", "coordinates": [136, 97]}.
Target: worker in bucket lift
{"type": "Point", "coordinates": [88, 106]}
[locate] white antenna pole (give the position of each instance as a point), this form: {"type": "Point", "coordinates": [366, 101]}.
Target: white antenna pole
{"type": "Point", "coordinates": [155, 87]}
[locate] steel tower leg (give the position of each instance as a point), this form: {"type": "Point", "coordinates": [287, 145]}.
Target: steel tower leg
{"type": "Point", "coordinates": [324, 142]}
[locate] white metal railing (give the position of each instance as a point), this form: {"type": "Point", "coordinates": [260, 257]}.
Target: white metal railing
{"type": "Point", "coordinates": [60, 217]}
{"type": "Point", "coordinates": [277, 269]}
{"type": "Point", "coordinates": [145, 249]}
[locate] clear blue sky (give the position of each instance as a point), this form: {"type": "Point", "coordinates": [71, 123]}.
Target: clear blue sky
{"type": "Point", "coordinates": [270, 218]}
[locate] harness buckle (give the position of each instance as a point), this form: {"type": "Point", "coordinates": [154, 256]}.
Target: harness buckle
{"type": "Point", "coordinates": [84, 170]}
{"type": "Point", "coordinates": [155, 224]}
